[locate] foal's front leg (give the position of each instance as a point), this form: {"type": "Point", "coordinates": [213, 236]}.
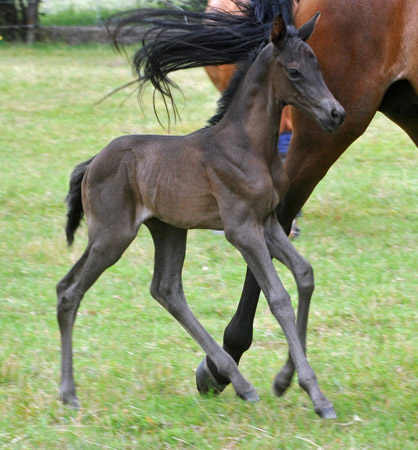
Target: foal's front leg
{"type": "Point", "coordinates": [281, 248]}
{"type": "Point", "coordinates": [238, 334]}
{"type": "Point", "coordinates": [167, 289]}
{"type": "Point", "coordinates": [249, 239]}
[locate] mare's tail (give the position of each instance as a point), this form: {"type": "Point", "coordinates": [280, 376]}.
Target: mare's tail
{"type": "Point", "coordinates": [75, 207]}
{"type": "Point", "coordinates": [179, 39]}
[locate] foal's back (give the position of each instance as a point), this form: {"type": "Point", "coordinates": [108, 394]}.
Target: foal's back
{"type": "Point", "coordinates": [154, 176]}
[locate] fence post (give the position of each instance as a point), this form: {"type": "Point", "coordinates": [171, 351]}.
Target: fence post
{"type": "Point", "coordinates": [32, 20]}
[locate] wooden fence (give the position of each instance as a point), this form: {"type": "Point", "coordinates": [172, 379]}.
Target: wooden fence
{"type": "Point", "coordinates": [19, 18]}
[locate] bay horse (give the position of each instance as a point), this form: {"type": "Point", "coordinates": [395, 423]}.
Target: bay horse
{"type": "Point", "coordinates": [227, 176]}
{"type": "Point", "coordinates": [368, 53]}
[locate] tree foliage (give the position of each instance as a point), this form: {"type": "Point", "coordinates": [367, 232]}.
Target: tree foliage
{"type": "Point", "coordinates": [16, 17]}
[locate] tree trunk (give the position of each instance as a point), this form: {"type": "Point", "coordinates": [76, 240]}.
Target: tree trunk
{"type": "Point", "coordinates": [32, 20]}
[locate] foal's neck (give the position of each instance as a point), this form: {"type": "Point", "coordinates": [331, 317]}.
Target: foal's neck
{"type": "Point", "coordinates": [255, 109]}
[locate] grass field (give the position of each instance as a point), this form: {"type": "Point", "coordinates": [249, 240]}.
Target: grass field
{"type": "Point", "coordinates": [134, 365]}
{"type": "Point", "coordinates": [93, 12]}
{"type": "Point", "coordinates": [82, 12]}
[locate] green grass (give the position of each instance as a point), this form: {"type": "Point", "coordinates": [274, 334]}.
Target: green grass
{"type": "Point", "coordinates": [134, 365]}
{"type": "Point", "coordinates": [93, 12]}
{"type": "Point", "coordinates": [78, 17]}
{"type": "Point", "coordinates": [73, 17]}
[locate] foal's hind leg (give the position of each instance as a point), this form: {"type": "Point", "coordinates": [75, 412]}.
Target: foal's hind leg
{"type": "Point", "coordinates": [167, 289]}
{"type": "Point", "coordinates": [282, 249]}
{"type": "Point", "coordinates": [103, 250]}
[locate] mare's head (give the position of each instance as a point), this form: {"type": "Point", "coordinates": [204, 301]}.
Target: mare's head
{"type": "Point", "coordinates": [297, 77]}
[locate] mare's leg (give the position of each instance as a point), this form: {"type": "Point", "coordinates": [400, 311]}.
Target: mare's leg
{"type": "Point", "coordinates": [167, 289]}
{"type": "Point", "coordinates": [400, 104]}
{"type": "Point", "coordinates": [237, 338]}
{"type": "Point", "coordinates": [249, 239]}
{"type": "Point", "coordinates": [282, 249]}
{"type": "Point", "coordinates": [408, 124]}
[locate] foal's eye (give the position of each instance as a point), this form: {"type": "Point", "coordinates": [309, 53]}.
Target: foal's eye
{"type": "Point", "coordinates": [293, 74]}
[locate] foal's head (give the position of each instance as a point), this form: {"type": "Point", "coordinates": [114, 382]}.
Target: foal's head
{"type": "Point", "coordinates": [297, 77]}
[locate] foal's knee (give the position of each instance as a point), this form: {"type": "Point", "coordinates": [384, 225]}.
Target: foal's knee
{"type": "Point", "coordinates": [168, 293]}
{"type": "Point", "coordinates": [281, 308]}
{"type": "Point", "coordinates": [61, 286]}
{"type": "Point", "coordinates": [68, 301]}
{"type": "Point", "coordinates": [160, 289]}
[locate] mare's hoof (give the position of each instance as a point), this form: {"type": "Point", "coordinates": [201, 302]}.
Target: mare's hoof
{"type": "Point", "coordinates": [250, 396]}
{"type": "Point", "coordinates": [327, 413]}
{"type": "Point", "coordinates": [206, 382]}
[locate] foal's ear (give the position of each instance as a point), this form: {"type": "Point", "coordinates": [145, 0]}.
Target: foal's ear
{"type": "Point", "coordinates": [306, 30]}
{"type": "Point", "coordinates": [278, 31]}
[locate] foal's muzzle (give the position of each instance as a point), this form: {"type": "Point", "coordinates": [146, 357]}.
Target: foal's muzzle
{"type": "Point", "coordinates": [334, 117]}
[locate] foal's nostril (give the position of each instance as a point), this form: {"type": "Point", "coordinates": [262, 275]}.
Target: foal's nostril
{"type": "Point", "coordinates": [337, 115]}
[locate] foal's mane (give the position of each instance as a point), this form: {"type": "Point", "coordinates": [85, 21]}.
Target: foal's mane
{"type": "Point", "coordinates": [228, 94]}
{"type": "Point", "coordinates": [179, 39]}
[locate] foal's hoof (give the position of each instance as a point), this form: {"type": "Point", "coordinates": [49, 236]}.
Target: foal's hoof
{"type": "Point", "coordinates": [250, 396]}
{"type": "Point", "coordinates": [327, 412]}
{"type": "Point", "coordinates": [279, 390]}
{"type": "Point", "coordinates": [70, 400]}
{"type": "Point", "coordinates": [281, 384]}
{"type": "Point", "coordinates": [206, 382]}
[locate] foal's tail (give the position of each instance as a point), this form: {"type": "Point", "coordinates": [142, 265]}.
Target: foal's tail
{"type": "Point", "coordinates": [75, 207]}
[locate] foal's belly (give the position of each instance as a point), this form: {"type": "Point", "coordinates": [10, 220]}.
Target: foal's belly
{"type": "Point", "coordinates": [195, 211]}
{"type": "Point", "coordinates": [179, 198]}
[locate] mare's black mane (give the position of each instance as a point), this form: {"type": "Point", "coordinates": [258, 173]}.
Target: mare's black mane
{"type": "Point", "coordinates": [178, 39]}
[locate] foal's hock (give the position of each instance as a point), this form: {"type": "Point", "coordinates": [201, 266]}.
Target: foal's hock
{"type": "Point", "coordinates": [228, 176]}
